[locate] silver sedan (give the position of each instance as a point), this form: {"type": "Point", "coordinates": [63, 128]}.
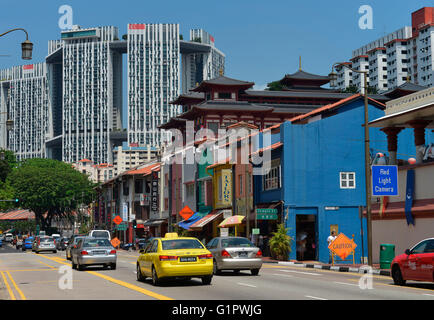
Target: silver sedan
{"type": "Point", "coordinates": [235, 253]}
{"type": "Point", "coordinates": [93, 251]}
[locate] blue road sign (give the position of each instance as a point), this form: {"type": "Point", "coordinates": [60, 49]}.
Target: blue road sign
{"type": "Point", "coordinates": [384, 181]}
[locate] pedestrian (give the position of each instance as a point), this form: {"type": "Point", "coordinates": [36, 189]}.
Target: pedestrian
{"type": "Point", "coordinates": [261, 243]}
{"type": "Point", "coordinates": [330, 239]}
{"type": "Point", "coordinates": [301, 245]}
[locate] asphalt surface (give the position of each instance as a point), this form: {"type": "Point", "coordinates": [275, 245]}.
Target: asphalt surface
{"type": "Point", "coordinates": [30, 276]}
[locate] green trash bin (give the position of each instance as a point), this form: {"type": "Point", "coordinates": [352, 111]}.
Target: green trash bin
{"type": "Point", "coordinates": [387, 253]}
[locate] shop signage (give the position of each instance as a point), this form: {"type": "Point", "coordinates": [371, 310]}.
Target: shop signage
{"type": "Point", "coordinates": [255, 231]}
{"type": "Point", "coordinates": [154, 192]}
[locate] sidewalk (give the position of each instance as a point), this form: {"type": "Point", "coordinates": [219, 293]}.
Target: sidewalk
{"type": "Point", "coordinates": [341, 267]}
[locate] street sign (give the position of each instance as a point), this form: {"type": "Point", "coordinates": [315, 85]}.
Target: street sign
{"type": "Point", "coordinates": [255, 231]}
{"type": "Point", "coordinates": [125, 212]}
{"type": "Point", "coordinates": [115, 242]}
{"type": "Point", "coordinates": [342, 246]}
{"type": "Point", "coordinates": [186, 212]}
{"type": "Point", "coordinates": [122, 227]}
{"type": "Point", "coordinates": [266, 211]}
{"type": "Point", "coordinates": [384, 181]}
{"type": "Point", "coordinates": [117, 220]}
{"type": "Point", "coordinates": [272, 216]}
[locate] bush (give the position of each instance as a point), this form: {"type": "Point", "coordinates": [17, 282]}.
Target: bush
{"type": "Point", "coordinates": [280, 243]}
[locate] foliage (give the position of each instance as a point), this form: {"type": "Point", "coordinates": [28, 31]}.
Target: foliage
{"type": "Point", "coordinates": [19, 226]}
{"type": "Point", "coordinates": [184, 233]}
{"type": "Point", "coordinates": [274, 86]}
{"type": "Point", "coordinates": [50, 188]}
{"type": "Point", "coordinates": [125, 37]}
{"type": "Point", "coordinates": [355, 89]}
{"type": "Point", "coordinates": [7, 163]}
{"type": "Point", "coordinates": [7, 192]}
{"type": "Point", "coordinates": [280, 243]}
{"type": "Point", "coordinates": [181, 37]}
{"type": "Point", "coordinates": [197, 39]}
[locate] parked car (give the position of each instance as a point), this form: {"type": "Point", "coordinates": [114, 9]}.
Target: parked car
{"type": "Point", "coordinates": [9, 237]}
{"type": "Point", "coordinates": [175, 257]}
{"type": "Point", "coordinates": [416, 263]}
{"type": "Point", "coordinates": [235, 253]}
{"type": "Point", "coordinates": [62, 243]}
{"type": "Point", "coordinates": [27, 243]}
{"type": "Point", "coordinates": [72, 242]}
{"type": "Point", "coordinates": [91, 251]}
{"type": "Point", "coordinates": [45, 244]}
{"type": "Point", "coordinates": [100, 234]}
{"type": "Point", "coordinates": [1, 243]}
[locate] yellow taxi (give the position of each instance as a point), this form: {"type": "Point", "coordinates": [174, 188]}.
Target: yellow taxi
{"type": "Point", "coordinates": [175, 257]}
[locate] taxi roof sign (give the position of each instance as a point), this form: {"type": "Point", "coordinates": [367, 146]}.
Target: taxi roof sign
{"type": "Point", "coordinates": [171, 235]}
{"type": "Point", "coordinates": [342, 246]}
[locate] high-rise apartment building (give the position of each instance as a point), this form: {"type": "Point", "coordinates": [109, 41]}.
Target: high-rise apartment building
{"type": "Point", "coordinates": [24, 99]}
{"type": "Point", "coordinates": [201, 60]}
{"type": "Point", "coordinates": [153, 80]}
{"type": "Point", "coordinates": [401, 56]}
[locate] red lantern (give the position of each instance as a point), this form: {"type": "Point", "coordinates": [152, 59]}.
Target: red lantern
{"type": "Point", "coordinates": [411, 160]}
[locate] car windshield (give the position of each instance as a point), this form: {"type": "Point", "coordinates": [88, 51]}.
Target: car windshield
{"type": "Point", "coordinates": [47, 239]}
{"type": "Point", "coordinates": [236, 242]}
{"type": "Point", "coordinates": [93, 243]}
{"type": "Point", "coordinates": [77, 239]}
{"type": "Point", "coordinates": [181, 244]}
{"type": "Point", "coordinates": [100, 234]}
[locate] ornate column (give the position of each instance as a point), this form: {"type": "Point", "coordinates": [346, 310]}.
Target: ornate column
{"type": "Point", "coordinates": [392, 142]}
{"type": "Point", "coordinates": [419, 137]}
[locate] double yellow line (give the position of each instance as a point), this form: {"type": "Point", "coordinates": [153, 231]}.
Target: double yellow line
{"type": "Point", "coordinates": [8, 287]}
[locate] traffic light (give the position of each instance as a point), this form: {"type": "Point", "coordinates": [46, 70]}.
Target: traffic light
{"type": "Point", "coordinates": [134, 224]}
{"type": "Point", "coordinates": [16, 200]}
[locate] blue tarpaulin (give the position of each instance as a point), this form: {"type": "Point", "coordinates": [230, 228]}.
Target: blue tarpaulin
{"type": "Point", "coordinates": [187, 223]}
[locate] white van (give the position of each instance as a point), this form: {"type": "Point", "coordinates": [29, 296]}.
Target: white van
{"type": "Point", "coordinates": [9, 237]}
{"type": "Point", "coordinates": [100, 234]}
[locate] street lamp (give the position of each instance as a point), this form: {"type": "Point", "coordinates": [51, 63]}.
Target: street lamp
{"type": "Point", "coordinates": [26, 46]}
{"type": "Point", "coordinates": [333, 83]}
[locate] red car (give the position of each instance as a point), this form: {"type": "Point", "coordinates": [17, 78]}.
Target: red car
{"type": "Point", "coordinates": [416, 263]}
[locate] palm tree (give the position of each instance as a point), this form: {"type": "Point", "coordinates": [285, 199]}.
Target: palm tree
{"type": "Point", "coordinates": [280, 243]}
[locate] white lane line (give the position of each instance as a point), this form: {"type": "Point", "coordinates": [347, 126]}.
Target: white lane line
{"type": "Point", "coordinates": [317, 298]}
{"type": "Point", "coordinates": [282, 275]}
{"type": "Point", "coordinates": [309, 273]}
{"type": "Point", "coordinates": [247, 285]}
{"type": "Point", "coordinates": [345, 283]}
{"type": "Point", "coordinates": [428, 294]}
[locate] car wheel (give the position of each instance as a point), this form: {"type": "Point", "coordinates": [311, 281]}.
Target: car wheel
{"type": "Point", "coordinates": [397, 276]}
{"type": "Point", "coordinates": [140, 276]}
{"type": "Point", "coordinates": [54, 251]}
{"type": "Point", "coordinates": [206, 280]}
{"type": "Point", "coordinates": [37, 252]}
{"type": "Point", "coordinates": [237, 271]}
{"type": "Point", "coordinates": [74, 266]}
{"type": "Point", "coordinates": [113, 266]}
{"type": "Point", "coordinates": [215, 268]}
{"type": "Point", "coordinates": [155, 279]}
{"type": "Point", "coordinates": [254, 272]}
{"type": "Point", "coordinates": [80, 267]}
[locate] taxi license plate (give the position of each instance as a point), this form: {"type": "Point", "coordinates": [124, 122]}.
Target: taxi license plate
{"type": "Point", "coordinates": [98, 252]}
{"type": "Point", "coordinates": [242, 254]}
{"type": "Point", "coordinates": [187, 259]}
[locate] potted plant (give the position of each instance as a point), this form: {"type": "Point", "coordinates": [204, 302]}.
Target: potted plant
{"type": "Point", "coordinates": [280, 243]}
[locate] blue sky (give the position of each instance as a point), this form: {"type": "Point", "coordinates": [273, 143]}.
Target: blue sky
{"type": "Point", "coordinates": [262, 40]}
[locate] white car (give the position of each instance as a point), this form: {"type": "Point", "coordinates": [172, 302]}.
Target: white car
{"type": "Point", "coordinates": [9, 237]}
{"type": "Point", "coordinates": [100, 234]}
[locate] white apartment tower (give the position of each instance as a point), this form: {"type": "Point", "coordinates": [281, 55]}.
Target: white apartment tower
{"type": "Point", "coordinates": [24, 100]}
{"type": "Point", "coordinates": [401, 56]}
{"type": "Point", "coordinates": [201, 60]}
{"type": "Point", "coordinates": [89, 110]}
{"type": "Point", "coordinates": [153, 80]}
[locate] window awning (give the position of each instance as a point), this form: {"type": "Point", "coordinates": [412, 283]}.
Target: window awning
{"type": "Point", "coordinates": [207, 219]}
{"type": "Point", "coordinates": [153, 222]}
{"type": "Point", "coordinates": [271, 205]}
{"type": "Point", "coordinates": [187, 223]}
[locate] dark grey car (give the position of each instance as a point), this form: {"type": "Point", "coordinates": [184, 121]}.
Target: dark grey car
{"type": "Point", "coordinates": [72, 242]}
{"type": "Point", "coordinates": [91, 251]}
{"type": "Point", "coordinates": [235, 253]}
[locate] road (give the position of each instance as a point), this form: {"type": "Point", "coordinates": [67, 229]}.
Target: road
{"type": "Point", "coordinates": [30, 276]}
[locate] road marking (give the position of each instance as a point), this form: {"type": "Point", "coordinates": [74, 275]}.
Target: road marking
{"type": "Point", "coordinates": [119, 282]}
{"type": "Point", "coordinates": [309, 273]}
{"type": "Point", "coordinates": [11, 293]}
{"type": "Point", "coordinates": [45, 264]}
{"type": "Point", "coordinates": [317, 298]}
{"type": "Point", "coordinates": [23, 297]}
{"type": "Point", "coordinates": [21, 270]}
{"type": "Point", "coordinates": [395, 286]}
{"type": "Point", "coordinates": [246, 284]}
{"type": "Point", "coordinates": [282, 275]}
{"type": "Point", "coordinates": [428, 294]}
{"type": "Point", "coordinates": [345, 283]}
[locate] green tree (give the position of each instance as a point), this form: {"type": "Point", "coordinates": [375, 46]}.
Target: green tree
{"type": "Point", "coordinates": [7, 192]}
{"type": "Point", "coordinates": [355, 89]}
{"type": "Point", "coordinates": [7, 163]}
{"type": "Point", "coordinates": [274, 86]}
{"type": "Point", "coordinates": [50, 188]}
{"type": "Point", "coordinates": [280, 243]}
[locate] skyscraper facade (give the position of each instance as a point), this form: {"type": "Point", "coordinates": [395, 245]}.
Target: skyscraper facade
{"type": "Point", "coordinates": [24, 100]}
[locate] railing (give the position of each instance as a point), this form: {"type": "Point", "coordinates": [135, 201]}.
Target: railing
{"type": "Point", "coordinates": [420, 98]}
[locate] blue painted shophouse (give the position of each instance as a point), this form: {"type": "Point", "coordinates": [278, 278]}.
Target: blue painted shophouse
{"type": "Point", "coordinates": [317, 176]}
